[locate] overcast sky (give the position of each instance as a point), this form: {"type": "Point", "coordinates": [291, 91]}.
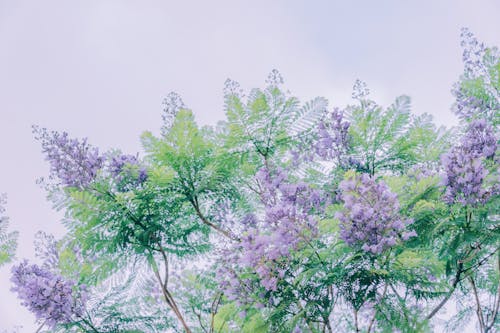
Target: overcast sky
{"type": "Point", "coordinates": [100, 69]}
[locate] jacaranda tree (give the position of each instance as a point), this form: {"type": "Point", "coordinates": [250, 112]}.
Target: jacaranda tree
{"type": "Point", "coordinates": [285, 217]}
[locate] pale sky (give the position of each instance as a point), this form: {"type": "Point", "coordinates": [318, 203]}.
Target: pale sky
{"type": "Point", "coordinates": [100, 69]}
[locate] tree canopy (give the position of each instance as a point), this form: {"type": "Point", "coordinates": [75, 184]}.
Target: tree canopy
{"type": "Point", "coordinates": [284, 217]}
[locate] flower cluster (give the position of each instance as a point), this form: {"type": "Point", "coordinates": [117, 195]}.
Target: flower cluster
{"type": "Point", "coordinates": [121, 167]}
{"type": "Point", "coordinates": [49, 296]}
{"type": "Point", "coordinates": [333, 140]}
{"type": "Point", "coordinates": [75, 163]}
{"type": "Point", "coordinates": [480, 139]}
{"type": "Point", "coordinates": [464, 165]}
{"type": "Point", "coordinates": [370, 217]}
{"type": "Point", "coordinates": [466, 106]}
{"type": "Point", "coordinates": [287, 221]}
{"type": "Point", "coordinates": [235, 287]}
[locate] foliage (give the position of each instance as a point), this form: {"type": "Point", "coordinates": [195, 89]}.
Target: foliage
{"type": "Point", "coordinates": [8, 240]}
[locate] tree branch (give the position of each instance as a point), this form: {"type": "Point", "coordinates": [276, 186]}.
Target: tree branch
{"type": "Point", "coordinates": [210, 224]}
{"type": "Point", "coordinates": [479, 311]}
{"type": "Point", "coordinates": [455, 282]}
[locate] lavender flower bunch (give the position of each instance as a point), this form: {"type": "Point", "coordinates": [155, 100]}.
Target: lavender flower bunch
{"type": "Point", "coordinates": [288, 220]}
{"type": "Point", "coordinates": [53, 299]}
{"type": "Point", "coordinates": [480, 139]}
{"type": "Point", "coordinates": [75, 163]}
{"type": "Point", "coordinates": [333, 139]}
{"type": "Point", "coordinates": [370, 216]}
{"type": "Point", "coordinates": [464, 167]}
{"type": "Point", "coordinates": [122, 168]}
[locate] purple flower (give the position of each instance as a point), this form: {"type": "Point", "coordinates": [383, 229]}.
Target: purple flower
{"type": "Point", "coordinates": [267, 244]}
{"type": "Point", "coordinates": [75, 163]}
{"type": "Point", "coordinates": [117, 163]}
{"type": "Point", "coordinates": [479, 139]}
{"type": "Point", "coordinates": [370, 218]}
{"type": "Point", "coordinates": [464, 175]}
{"type": "Point", "coordinates": [127, 170]}
{"type": "Point", "coordinates": [333, 139]}
{"type": "Point", "coordinates": [464, 165]}
{"type": "Point", "coordinates": [49, 296]}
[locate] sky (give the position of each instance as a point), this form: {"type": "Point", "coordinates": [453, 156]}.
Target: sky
{"type": "Point", "coordinates": [100, 69]}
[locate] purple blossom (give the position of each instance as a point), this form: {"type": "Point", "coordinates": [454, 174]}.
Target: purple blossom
{"type": "Point", "coordinates": [464, 176]}
{"type": "Point", "coordinates": [479, 139]}
{"type": "Point", "coordinates": [464, 165]}
{"type": "Point", "coordinates": [370, 217]}
{"type": "Point", "coordinates": [333, 139]}
{"type": "Point", "coordinates": [235, 288]}
{"type": "Point", "coordinates": [49, 296]}
{"type": "Point", "coordinates": [118, 163]}
{"type": "Point", "coordinates": [268, 242]}
{"type": "Point", "coordinates": [127, 169]}
{"type": "Point", "coordinates": [75, 163]}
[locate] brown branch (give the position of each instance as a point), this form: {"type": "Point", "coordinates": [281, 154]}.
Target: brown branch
{"type": "Point", "coordinates": [479, 311]}
{"type": "Point", "coordinates": [200, 321]}
{"type": "Point", "coordinates": [213, 310]}
{"type": "Point", "coordinates": [356, 325]}
{"type": "Point", "coordinates": [210, 224]}
{"type": "Point", "coordinates": [168, 298]}
{"type": "Point", "coordinates": [165, 261]}
{"type": "Point", "coordinates": [454, 284]}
